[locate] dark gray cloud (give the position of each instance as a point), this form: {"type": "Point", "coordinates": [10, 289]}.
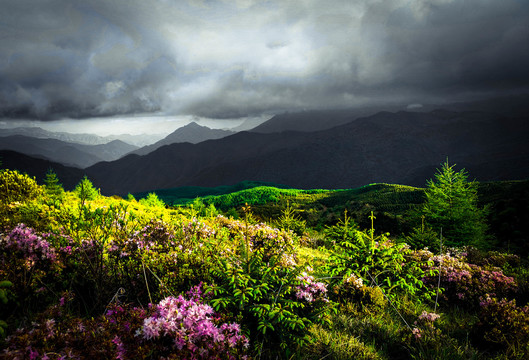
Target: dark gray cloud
{"type": "Point", "coordinates": [241, 58]}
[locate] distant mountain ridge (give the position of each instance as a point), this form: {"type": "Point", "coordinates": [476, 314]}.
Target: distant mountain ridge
{"type": "Point", "coordinates": [38, 168]}
{"type": "Point", "coordinates": [191, 133]}
{"type": "Point", "coordinates": [316, 120]}
{"type": "Point", "coordinates": [66, 153]}
{"type": "Point", "coordinates": [86, 139]}
{"type": "Point", "coordinates": [309, 121]}
{"type": "Point", "coordinates": [402, 147]}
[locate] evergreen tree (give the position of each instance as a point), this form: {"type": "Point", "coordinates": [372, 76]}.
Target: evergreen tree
{"type": "Point", "coordinates": [152, 200]}
{"type": "Point", "coordinates": [452, 205]}
{"type": "Point", "coordinates": [52, 186]}
{"type": "Point", "coordinates": [85, 190]}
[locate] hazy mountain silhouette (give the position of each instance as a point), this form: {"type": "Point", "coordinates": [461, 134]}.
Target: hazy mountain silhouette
{"type": "Point", "coordinates": [402, 147]}
{"type": "Point", "coordinates": [38, 168]}
{"type": "Point", "coordinates": [87, 139]}
{"type": "Point", "coordinates": [313, 120]}
{"type": "Point", "coordinates": [72, 154]}
{"type": "Point", "coordinates": [191, 133]}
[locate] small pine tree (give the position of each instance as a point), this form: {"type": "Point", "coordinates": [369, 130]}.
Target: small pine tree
{"type": "Point", "coordinates": [52, 185]}
{"type": "Point", "coordinates": [85, 190]}
{"type": "Point", "coordinates": [423, 236]}
{"type": "Point", "coordinates": [152, 200]}
{"type": "Point", "coordinates": [452, 204]}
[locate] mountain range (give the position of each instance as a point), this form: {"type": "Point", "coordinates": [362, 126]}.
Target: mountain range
{"type": "Point", "coordinates": [400, 147]}
{"type": "Point", "coordinates": [395, 147]}
{"type": "Point", "coordinates": [37, 167]}
{"type": "Point", "coordinates": [66, 153]}
{"type": "Point", "coordinates": [87, 139]}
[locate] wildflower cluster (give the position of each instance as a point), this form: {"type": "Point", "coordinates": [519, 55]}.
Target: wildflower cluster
{"type": "Point", "coordinates": [189, 325]}
{"type": "Point", "coordinates": [504, 323]}
{"type": "Point", "coordinates": [196, 229]}
{"type": "Point", "coordinates": [31, 246]}
{"type": "Point", "coordinates": [465, 283]}
{"type": "Point", "coordinates": [175, 328]}
{"type": "Point", "coordinates": [424, 326]}
{"type": "Point", "coordinates": [310, 290]}
{"type": "Point", "coordinates": [271, 241]}
{"type": "Point", "coordinates": [354, 281]}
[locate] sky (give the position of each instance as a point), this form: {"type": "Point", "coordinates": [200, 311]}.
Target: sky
{"type": "Point", "coordinates": [89, 64]}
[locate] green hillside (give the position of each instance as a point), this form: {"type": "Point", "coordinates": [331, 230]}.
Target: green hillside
{"type": "Point", "coordinates": [392, 204]}
{"type": "Point", "coordinates": [291, 276]}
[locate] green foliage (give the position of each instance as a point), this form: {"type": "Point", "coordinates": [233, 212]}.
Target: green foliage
{"type": "Point", "coordinates": [506, 324]}
{"type": "Point", "coordinates": [376, 260]}
{"type": "Point", "coordinates": [262, 294]}
{"type": "Point", "coordinates": [423, 236]}
{"type": "Point", "coordinates": [345, 230]}
{"type": "Point", "coordinates": [85, 190]}
{"type": "Point", "coordinates": [4, 292]}
{"type": "Point", "coordinates": [152, 200]}
{"type": "Point", "coordinates": [17, 187]}
{"type": "Point", "coordinates": [290, 220]}
{"type": "Point", "coordinates": [276, 302]}
{"type": "Point", "coordinates": [81, 260]}
{"type": "Point", "coordinates": [452, 205]}
{"type": "Point", "coordinates": [52, 186]}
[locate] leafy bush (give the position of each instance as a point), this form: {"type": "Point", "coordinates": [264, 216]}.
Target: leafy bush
{"type": "Point", "coordinates": [175, 328]}
{"type": "Point", "coordinates": [465, 284]}
{"type": "Point", "coordinates": [31, 264]}
{"type": "Point", "coordinates": [152, 200]}
{"type": "Point", "coordinates": [504, 323]}
{"type": "Point", "coordinates": [276, 304]}
{"type": "Point", "coordinates": [17, 187]}
{"type": "Point", "coordinates": [377, 260]}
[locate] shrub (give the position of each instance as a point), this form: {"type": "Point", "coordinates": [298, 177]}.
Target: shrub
{"type": "Point", "coordinates": [173, 329]}
{"type": "Point", "coordinates": [276, 304]}
{"type": "Point", "coordinates": [31, 264]}
{"type": "Point", "coordinates": [188, 329]}
{"type": "Point", "coordinates": [465, 284]}
{"type": "Point", "coordinates": [378, 261]}
{"type": "Point", "coordinates": [503, 322]}
{"type": "Point", "coordinates": [17, 187]}
{"type": "Point", "coordinates": [152, 200]}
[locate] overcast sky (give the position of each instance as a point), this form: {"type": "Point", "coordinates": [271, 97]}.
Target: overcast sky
{"type": "Point", "coordinates": [233, 59]}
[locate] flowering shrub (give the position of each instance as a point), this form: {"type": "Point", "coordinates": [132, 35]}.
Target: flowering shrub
{"type": "Point", "coordinates": [379, 261]}
{"type": "Point", "coordinates": [310, 290]}
{"type": "Point", "coordinates": [271, 241]}
{"type": "Point", "coordinates": [427, 337]}
{"type": "Point", "coordinates": [153, 236]}
{"type": "Point", "coordinates": [503, 322]}
{"type": "Point", "coordinates": [197, 230]}
{"type": "Point", "coordinates": [175, 328]}
{"type": "Point", "coordinates": [276, 304]}
{"type": "Point", "coordinates": [465, 283]}
{"type": "Point", "coordinates": [31, 264]}
{"type": "Point", "coordinates": [33, 248]}
{"type": "Point", "coordinates": [189, 327]}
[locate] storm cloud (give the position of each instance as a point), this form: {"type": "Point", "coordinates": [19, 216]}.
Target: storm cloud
{"type": "Point", "coordinates": [229, 59]}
